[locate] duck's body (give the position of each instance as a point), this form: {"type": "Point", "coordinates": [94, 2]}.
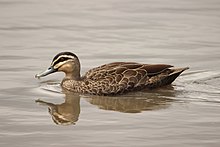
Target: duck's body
{"type": "Point", "coordinates": [113, 78]}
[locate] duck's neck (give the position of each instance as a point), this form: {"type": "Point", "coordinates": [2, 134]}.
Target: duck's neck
{"type": "Point", "coordinates": [73, 76]}
{"type": "Point", "coordinates": [72, 70]}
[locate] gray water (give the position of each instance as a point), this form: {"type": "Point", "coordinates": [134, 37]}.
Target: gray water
{"type": "Point", "coordinates": [176, 32]}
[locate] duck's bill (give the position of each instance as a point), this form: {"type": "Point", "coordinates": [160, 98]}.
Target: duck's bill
{"type": "Point", "coordinates": [50, 70]}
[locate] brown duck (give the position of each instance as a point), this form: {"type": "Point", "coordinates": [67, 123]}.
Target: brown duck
{"type": "Point", "coordinates": [113, 78]}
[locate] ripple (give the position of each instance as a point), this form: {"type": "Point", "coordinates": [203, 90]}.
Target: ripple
{"type": "Point", "coordinates": [201, 86]}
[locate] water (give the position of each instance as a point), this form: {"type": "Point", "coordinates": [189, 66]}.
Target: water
{"type": "Point", "coordinates": [181, 33]}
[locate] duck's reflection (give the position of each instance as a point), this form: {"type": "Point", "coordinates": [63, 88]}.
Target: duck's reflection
{"type": "Point", "coordinates": [68, 112]}
{"type": "Point", "coordinates": [129, 104]}
{"type": "Point", "coordinates": [133, 102]}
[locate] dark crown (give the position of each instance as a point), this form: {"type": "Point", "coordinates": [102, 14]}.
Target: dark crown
{"type": "Point", "coordinates": [65, 53]}
{"type": "Point", "coordinates": [63, 56]}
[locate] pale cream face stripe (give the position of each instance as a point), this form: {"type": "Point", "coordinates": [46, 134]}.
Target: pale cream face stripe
{"type": "Point", "coordinates": [61, 63]}
{"type": "Point", "coordinates": [65, 56]}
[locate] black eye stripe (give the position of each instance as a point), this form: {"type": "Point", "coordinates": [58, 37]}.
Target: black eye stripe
{"type": "Point", "coordinates": [61, 60]}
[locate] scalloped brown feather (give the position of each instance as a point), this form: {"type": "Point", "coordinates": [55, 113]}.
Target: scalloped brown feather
{"type": "Point", "coordinates": [121, 77]}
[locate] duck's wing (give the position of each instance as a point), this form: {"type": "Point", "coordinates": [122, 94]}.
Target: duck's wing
{"type": "Point", "coordinates": [125, 69]}
{"type": "Point", "coordinates": [154, 69]}
{"type": "Point", "coordinates": [118, 77]}
{"type": "Point", "coordinates": [106, 70]}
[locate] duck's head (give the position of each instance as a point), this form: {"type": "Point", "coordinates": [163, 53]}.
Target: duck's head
{"type": "Point", "coordinates": [66, 62]}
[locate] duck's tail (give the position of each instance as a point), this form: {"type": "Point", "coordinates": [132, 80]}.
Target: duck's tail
{"type": "Point", "coordinates": [174, 73]}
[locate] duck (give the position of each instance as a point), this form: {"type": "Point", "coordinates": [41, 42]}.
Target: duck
{"type": "Point", "coordinates": [112, 78]}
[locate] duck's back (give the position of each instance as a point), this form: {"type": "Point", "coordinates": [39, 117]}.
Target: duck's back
{"type": "Point", "coordinates": [120, 77]}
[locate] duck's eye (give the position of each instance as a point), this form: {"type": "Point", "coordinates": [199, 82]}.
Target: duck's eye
{"type": "Point", "coordinates": [62, 59]}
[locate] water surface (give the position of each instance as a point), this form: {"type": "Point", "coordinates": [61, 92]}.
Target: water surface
{"type": "Point", "coordinates": [181, 33]}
